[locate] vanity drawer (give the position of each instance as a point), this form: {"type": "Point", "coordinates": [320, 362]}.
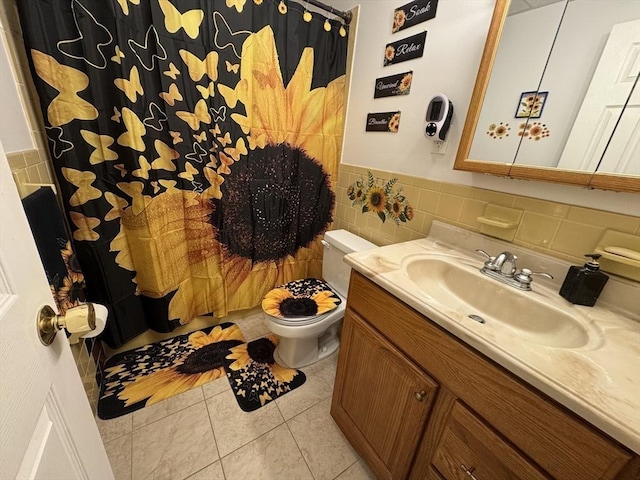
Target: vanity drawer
{"type": "Point", "coordinates": [557, 440]}
{"type": "Point", "coordinates": [469, 448]}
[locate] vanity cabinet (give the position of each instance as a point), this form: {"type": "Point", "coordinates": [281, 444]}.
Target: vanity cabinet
{"type": "Point", "coordinates": [387, 426]}
{"type": "Point", "coordinates": [418, 403]}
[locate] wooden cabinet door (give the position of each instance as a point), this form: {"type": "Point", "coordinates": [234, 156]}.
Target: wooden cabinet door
{"type": "Point", "coordinates": [470, 449]}
{"type": "Point", "coordinates": [381, 399]}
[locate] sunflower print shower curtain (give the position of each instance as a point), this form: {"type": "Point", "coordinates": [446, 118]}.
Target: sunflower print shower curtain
{"type": "Point", "coordinates": [196, 143]}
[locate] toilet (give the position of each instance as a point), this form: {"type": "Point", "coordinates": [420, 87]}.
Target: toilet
{"type": "Point", "coordinates": [306, 339]}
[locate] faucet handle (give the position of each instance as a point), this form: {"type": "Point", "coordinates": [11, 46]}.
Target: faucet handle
{"type": "Point", "coordinates": [524, 277]}
{"type": "Point", "coordinates": [482, 252]}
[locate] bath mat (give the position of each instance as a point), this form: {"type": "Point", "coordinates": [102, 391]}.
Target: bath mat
{"type": "Point", "coordinates": [255, 377]}
{"type": "Point", "coordinates": [301, 298]}
{"type": "Point", "coordinates": [155, 372]}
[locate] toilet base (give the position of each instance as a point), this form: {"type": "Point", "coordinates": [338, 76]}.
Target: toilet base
{"type": "Point", "coordinates": [299, 352]}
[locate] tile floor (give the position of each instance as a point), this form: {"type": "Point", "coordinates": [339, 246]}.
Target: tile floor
{"type": "Point", "coordinates": [203, 435]}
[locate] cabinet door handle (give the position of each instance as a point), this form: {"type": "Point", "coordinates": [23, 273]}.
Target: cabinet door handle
{"type": "Point", "coordinates": [469, 471]}
{"type": "Point", "coordinates": [420, 395]}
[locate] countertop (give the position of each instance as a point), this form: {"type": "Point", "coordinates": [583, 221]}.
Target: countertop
{"type": "Point", "coordinates": [599, 381]}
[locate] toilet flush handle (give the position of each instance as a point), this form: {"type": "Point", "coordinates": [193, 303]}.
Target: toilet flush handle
{"type": "Point", "coordinates": [325, 244]}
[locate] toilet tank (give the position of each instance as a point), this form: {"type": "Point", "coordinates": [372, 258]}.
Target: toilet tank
{"type": "Point", "coordinates": [337, 243]}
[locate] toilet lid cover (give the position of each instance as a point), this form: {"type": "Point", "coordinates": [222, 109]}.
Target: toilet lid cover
{"type": "Point", "coordinates": [301, 298]}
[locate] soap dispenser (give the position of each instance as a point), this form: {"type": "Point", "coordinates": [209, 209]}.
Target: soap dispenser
{"type": "Point", "coordinates": [583, 285]}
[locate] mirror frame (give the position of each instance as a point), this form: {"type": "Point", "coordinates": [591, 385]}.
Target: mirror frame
{"type": "Point", "coordinates": [604, 181]}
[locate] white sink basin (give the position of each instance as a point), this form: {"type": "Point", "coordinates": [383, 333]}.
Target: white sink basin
{"type": "Point", "coordinates": [461, 287]}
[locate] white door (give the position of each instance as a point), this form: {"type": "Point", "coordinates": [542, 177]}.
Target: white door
{"type": "Point", "coordinates": [47, 430]}
{"type": "Point", "coordinates": [611, 83]}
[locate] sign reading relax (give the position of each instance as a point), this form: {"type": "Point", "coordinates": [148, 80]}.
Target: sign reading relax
{"type": "Point", "coordinates": [403, 50]}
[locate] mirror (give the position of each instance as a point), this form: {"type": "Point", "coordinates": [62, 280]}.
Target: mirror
{"type": "Point", "coordinates": [538, 110]}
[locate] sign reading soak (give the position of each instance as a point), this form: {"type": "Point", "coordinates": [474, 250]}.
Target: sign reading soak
{"type": "Point", "coordinates": [407, 49]}
{"type": "Point", "coordinates": [383, 122]}
{"type": "Point", "coordinates": [413, 13]}
{"type": "Point", "coordinates": [393, 85]}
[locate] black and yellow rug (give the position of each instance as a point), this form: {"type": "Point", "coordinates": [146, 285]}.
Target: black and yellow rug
{"type": "Point", "coordinates": [147, 375]}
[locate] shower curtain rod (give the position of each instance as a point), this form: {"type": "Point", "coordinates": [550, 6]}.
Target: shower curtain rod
{"type": "Point", "coordinates": [346, 16]}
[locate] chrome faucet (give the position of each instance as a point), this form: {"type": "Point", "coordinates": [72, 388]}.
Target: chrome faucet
{"type": "Point", "coordinates": [503, 268]}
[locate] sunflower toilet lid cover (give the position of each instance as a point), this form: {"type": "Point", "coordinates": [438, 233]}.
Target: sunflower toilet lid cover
{"type": "Point", "coordinates": [301, 299]}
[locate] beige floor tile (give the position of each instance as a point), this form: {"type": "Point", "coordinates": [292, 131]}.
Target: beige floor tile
{"type": "Point", "coordinates": [325, 368]}
{"type": "Point", "coordinates": [314, 390]}
{"type": "Point", "coordinates": [119, 453]}
{"type": "Point", "coordinates": [174, 447]}
{"type": "Point", "coordinates": [212, 389]}
{"type": "Point", "coordinates": [273, 456]}
{"type": "Point", "coordinates": [233, 427]}
{"type": "Point", "coordinates": [167, 407]}
{"type": "Point", "coordinates": [212, 472]}
{"type": "Point", "coordinates": [323, 446]}
{"type": "Point", "coordinates": [253, 326]}
{"type": "Point", "coordinates": [114, 428]}
{"type": "Point", "coordinates": [357, 471]}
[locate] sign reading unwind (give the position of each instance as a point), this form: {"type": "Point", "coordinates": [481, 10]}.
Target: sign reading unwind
{"type": "Point", "coordinates": [407, 49]}
{"type": "Point", "coordinates": [393, 85]}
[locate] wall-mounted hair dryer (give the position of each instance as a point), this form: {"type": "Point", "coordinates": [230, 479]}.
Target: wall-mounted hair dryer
{"type": "Point", "coordinates": [439, 113]}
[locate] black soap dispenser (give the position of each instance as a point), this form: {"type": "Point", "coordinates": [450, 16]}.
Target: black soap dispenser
{"type": "Point", "coordinates": [583, 285]}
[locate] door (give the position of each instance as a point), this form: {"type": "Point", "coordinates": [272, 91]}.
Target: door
{"type": "Point", "coordinates": [47, 430]}
{"type": "Point", "coordinates": [604, 101]}
{"type": "Point", "coordinates": [381, 400]}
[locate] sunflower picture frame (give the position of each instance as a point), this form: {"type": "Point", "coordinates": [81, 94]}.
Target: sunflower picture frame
{"type": "Point", "coordinates": [531, 104]}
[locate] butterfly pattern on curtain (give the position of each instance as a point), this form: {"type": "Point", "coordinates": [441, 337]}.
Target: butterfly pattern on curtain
{"type": "Point", "coordinates": [196, 145]}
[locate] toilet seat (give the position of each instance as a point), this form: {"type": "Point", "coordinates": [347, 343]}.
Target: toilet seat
{"type": "Point", "coordinates": [326, 299]}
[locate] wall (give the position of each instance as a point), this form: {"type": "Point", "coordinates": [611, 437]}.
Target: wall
{"type": "Point", "coordinates": [24, 141]}
{"type": "Point", "coordinates": [454, 46]}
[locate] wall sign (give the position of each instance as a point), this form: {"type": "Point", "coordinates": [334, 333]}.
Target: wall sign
{"type": "Point", "coordinates": [407, 49]}
{"type": "Point", "coordinates": [393, 85]}
{"type": "Point", "coordinates": [413, 13]}
{"type": "Point", "coordinates": [383, 122]}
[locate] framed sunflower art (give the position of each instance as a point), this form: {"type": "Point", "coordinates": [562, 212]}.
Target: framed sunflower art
{"type": "Point", "coordinates": [531, 104]}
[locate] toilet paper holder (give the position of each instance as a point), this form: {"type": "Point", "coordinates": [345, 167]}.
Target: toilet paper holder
{"type": "Point", "coordinates": [79, 319]}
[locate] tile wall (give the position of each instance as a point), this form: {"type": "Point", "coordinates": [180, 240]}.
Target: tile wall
{"type": "Point", "coordinates": [32, 163]}
{"type": "Point", "coordinates": [556, 229]}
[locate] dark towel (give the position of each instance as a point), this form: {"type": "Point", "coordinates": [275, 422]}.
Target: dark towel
{"type": "Point", "coordinates": [62, 269]}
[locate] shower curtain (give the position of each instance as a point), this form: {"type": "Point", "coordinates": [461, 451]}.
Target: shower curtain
{"type": "Point", "coordinates": [196, 144]}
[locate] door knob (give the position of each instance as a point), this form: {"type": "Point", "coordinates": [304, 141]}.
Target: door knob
{"type": "Point", "coordinates": [78, 319]}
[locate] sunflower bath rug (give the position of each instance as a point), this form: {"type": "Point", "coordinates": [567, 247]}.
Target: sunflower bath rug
{"type": "Point", "coordinates": [147, 375]}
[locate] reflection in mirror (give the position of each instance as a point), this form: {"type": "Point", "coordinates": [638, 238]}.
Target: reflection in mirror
{"type": "Point", "coordinates": [622, 154]}
{"type": "Point", "coordinates": [576, 33]}
{"type": "Point", "coordinates": [590, 74]}
{"type": "Point", "coordinates": [567, 68]}
{"type": "Point", "coordinates": [526, 41]}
